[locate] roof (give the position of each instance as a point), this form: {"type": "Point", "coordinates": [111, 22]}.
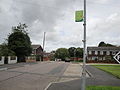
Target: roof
{"type": "Point", "coordinates": [103, 48]}
{"type": "Point", "coordinates": [36, 46]}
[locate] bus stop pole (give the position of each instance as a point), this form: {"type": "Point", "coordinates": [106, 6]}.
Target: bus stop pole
{"type": "Point", "coordinates": [84, 55]}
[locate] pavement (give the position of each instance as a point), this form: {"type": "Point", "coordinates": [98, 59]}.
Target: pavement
{"type": "Point", "coordinates": [73, 72]}
{"type": "Point", "coordinates": [98, 77]}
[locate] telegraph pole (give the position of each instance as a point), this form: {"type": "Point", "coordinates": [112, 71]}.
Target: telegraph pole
{"type": "Point", "coordinates": [43, 44]}
{"type": "Point", "coordinates": [84, 55]}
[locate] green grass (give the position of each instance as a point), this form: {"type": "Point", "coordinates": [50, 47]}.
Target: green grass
{"type": "Point", "coordinates": [112, 69]}
{"type": "Point", "coordinates": [102, 88]}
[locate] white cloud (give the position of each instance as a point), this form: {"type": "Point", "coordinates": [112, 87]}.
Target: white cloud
{"type": "Point", "coordinates": [56, 18]}
{"type": "Point", "coordinates": [105, 29]}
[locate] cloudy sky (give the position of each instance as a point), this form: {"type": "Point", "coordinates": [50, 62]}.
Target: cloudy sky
{"type": "Point", "coordinates": [56, 18]}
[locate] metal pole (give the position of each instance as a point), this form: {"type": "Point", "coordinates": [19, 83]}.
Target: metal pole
{"type": "Point", "coordinates": [74, 54]}
{"type": "Point", "coordinates": [43, 43]}
{"type": "Point", "coordinates": [84, 55]}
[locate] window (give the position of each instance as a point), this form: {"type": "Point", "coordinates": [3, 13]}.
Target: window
{"type": "Point", "coordinates": [104, 52]}
{"type": "Point", "coordinates": [113, 53]}
{"type": "Point", "coordinates": [110, 52]}
{"type": "Point", "coordinates": [98, 52]}
{"type": "Point", "coordinates": [93, 52]}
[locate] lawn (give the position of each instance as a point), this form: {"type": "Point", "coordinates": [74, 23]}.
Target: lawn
{"type": "Point", "coordinates": [113, 69]}
{"type": "Point", "coordinates": [102, 88]}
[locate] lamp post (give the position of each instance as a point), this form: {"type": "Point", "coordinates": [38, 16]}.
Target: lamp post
{"type": "Point", "coordinates": [84, 55]}
{"type": "Point", "coordinates": [43, 45]}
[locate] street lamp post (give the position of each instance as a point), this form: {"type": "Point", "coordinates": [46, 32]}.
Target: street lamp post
{"type": "Point", "coordinates": [84, 55]}
{"type": "Point", "coordinates": [43, 44]}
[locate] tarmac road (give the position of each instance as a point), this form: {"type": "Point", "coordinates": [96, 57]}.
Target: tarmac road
{"type": "Point", "coordinates": [31, 76]}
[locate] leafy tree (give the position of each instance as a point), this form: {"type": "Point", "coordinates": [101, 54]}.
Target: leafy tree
{"type": "Point", "coordinates": [72, 51]}
{"type": "Point", "coordinates": [5, 51]}
{"type": "Point", "coordinates": [62, 53]}
{"type": "Point", "coordinates": [19, 42]}
{"type": "Point", "coordinates": [110, 45]}
{"type": "Point", "coordinates": [79, 52]}
{"type": "Point", "coordinates": [103, 44]}
{"type": "Point", "coordinates": [52, 56]}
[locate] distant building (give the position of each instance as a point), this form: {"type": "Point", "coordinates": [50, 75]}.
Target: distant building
{"type": "Point", "coordinates": [101, 53]}
{"type": "Point", "coordinates": [47, 56]}
{"type": "Point", "coordinates": [37, 50]}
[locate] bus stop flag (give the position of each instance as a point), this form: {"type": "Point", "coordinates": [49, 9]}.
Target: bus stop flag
{"type": "Point", "coordinates": [79, 16]}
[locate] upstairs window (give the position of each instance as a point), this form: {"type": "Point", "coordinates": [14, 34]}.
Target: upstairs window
{"type": "Point", "coordinates": [104, 52]}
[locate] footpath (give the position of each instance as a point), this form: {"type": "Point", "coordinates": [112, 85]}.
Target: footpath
{"type": "Point", "coordinates": [72, 73]}
{"type": "Point", "coordinates": [98, 77]}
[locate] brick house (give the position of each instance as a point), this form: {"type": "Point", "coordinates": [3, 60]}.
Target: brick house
{"type": "Point", "coordinates": [37, 50]}
{"type": "Point", "coordinates": [101, 53]}
{"type": "Point", "coordinates": [47, 56]}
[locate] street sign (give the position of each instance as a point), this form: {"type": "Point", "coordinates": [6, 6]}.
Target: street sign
{"type": "Point", "coordinates": [79, 16]}
{"type": "Point", "coordinates": [117, 57]}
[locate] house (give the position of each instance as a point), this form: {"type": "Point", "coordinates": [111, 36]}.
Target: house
{"type": "Point", "coordinates": [48, 56]}
{"type": "Point", "coordinates": [101, 53]}
{"type": "Point", "coordinates": [37, 50]}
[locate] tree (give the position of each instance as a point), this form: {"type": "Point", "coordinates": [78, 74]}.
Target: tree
{"type": "Point", "coordinates": [103, 44]}
{"type": "Point", "coordinates": [79, 52]}
{"type": "Point", "coordinates": [72, 51]}
{"type": "Point", "coordinates": [5, 51]}
{"type": "Point", "coordinates": [19, 42]}
{"type": "Point", "coordinates": [62, 53]}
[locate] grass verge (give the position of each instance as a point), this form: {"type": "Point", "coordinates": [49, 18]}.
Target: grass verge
{"type": "Point", "coordinates": [112, 69]}
{"type": "Point", "coordinates": [102, 88]}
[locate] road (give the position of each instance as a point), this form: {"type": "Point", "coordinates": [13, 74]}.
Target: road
{"type": "Point", "coordinates": [31, 76]}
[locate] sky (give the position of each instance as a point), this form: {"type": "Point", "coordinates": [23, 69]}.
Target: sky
{"type": "Point", "coordinates": [57, 19]}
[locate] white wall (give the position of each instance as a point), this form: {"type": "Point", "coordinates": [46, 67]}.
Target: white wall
{"type": "Point", "coordinates": [96, 52]}
{"type": "Point", "coordinates": [11, 61]}
{"type": "Point", "coordinates": [101, 52]}
{"type": "Point", "coordinates": [108, 52]}
{"type": "Point", "coordinates": [2, 61]}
